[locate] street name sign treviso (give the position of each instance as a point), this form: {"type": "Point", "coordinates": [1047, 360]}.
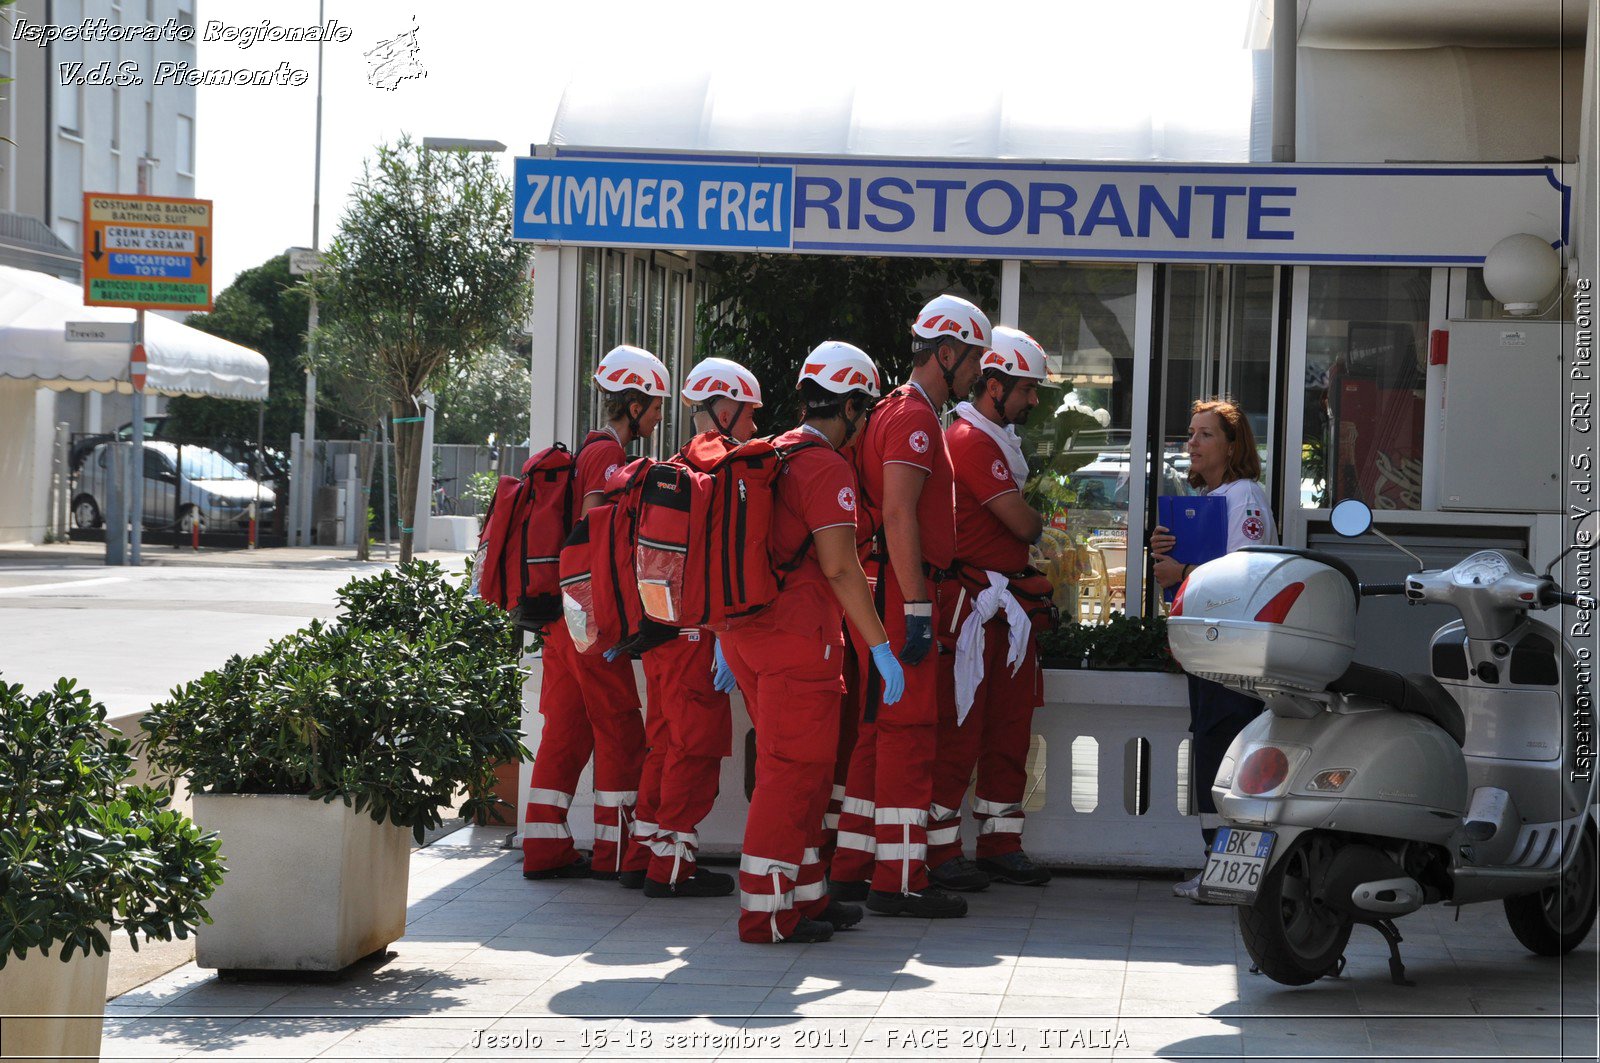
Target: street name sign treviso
{"type": "Point", "coordinates": [1311, 213]}
{"type": "Point", "coordinates": [147, 252]}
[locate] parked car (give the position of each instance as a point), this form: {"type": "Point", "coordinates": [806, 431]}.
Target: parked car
{"type": "Point", "coordinates": [182, 485]}
{"type": "Point", "coordinates": [1102, 493]}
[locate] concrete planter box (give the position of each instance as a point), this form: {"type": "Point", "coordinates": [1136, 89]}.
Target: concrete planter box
{"type": "Point", "coordinates": [43, 985]}
{"type": "Point", "coordinates": [310, 886]}
{"type": "Point", "coordinates": [459, 534]}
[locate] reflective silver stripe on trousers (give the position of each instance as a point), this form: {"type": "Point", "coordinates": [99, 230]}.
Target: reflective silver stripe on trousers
{"type": "Point", "coordinates": [641, 829]}
{"type": "Point", "coordinates": [765, 902]}
{"type": "Point", "coordinates": [605, 832]}
{"type": "Point", "coordinates": [546, 830]}
{"type": "Point", "coordinates": [855, 806]}
{"type": "Point", "coordinates": [811, 856]}
{"type": "Point", "coordinates": [997, 825]}
{"type": "Point", "coordinates": [938, 811]}
{"type": "Point", "coordinates": [943, 835]}
{"type": "Point", "coordinates": [906, 852]}
{"type": "Point", "coordinates": [830, 821]}
{"type": "Point", "coordinates": [811, 891]}
{"type": "Point", "coordinates": [864, 843]}
{"type": "Point", "coordinates": [995, 808]}
{"type": "Point", "coordinates": [901, 817]}
{"type": "Point", "coordinates": [761, 865]}
{"type": "Point", "coordinates": [615, 798]}
{"type": "Point", "coordinates": [554, 798]}
{"type": "Point", "coordinates": [838, 791]}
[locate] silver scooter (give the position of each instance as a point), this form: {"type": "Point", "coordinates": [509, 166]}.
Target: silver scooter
{"type": "Point", "coordinates": [1363, 794]}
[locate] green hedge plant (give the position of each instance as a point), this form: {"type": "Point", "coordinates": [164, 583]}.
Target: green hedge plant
{"type": "Point", "coordinates": [80, 855]}
{"type": "Point", "coordinates": [1125, 642]}
{"type": "Point", "coordinates": [415, 695]}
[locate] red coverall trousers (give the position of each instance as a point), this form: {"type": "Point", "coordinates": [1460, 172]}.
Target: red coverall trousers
{"type": "Point", "coordinates": [589, 705]}
{"type": "Point", "coordinates": [994, 737]}
{"type": "Point", "coordinates": [689, 728]}
{"type": "Point", "coordinates": [883, 825]}
{"type": "Point", "coordinates": [791, 686]}
{"type": "Point", "coordinates": [850, 706]}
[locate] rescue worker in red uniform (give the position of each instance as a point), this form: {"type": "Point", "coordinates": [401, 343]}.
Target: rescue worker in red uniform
{"type": "Point", "coordinates": [881, 846]}
{"type": "Point", "coordinates": [688, 720]}
{"type": "Point", "coordinates": [994, 670]}
{"type": "Point", "coordinates": [589, 704]}
{"type": "Point", "coordinates": [787, 658]}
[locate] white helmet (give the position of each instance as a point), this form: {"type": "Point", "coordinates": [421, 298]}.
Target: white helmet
{"type": "Point", "coordinates": [948, 315]}
{"type": "Point", "coordinates": [632, 369]}
{"type": "Point", "coordinates": [1015, 353]}
{"type": "Point", "coordinates": [719, 378]}
{"type": "Point", "coordinates": [841, 368]}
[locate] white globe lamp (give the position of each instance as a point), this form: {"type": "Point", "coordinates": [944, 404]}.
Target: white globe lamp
{"type": "Point", "coordinates": [1520, 271]}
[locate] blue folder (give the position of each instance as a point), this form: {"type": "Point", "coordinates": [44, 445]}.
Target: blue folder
{"type": "Point", "coordinates": [1200, 523]}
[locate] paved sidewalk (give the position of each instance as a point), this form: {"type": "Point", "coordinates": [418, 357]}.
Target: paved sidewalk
{"type": "Point", "coordinates": [15, 555]}
{"type": "Point", "coordinates": [494, 966]}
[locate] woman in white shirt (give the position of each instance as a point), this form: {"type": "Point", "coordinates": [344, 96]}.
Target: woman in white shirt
{"type": "Point", "coordinates": [1222, 461]}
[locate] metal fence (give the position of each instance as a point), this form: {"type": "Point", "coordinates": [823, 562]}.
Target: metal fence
{"type": "Point", "coordinates": [337, 473]}
{"type": "Point", "coordinates": [214, 487]}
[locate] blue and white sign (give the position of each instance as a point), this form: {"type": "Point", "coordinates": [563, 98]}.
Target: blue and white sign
{"type": "Point", "coordinates": [125, 264]}
{"type": "Point", "coordinates": [1289, 213]}
{"type": "Point", "coordinates": [644, 203]}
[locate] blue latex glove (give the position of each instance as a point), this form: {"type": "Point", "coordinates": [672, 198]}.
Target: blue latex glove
{"type": "Point", "coordinates": [919, 633]}
{"type": "Point", "coordinates": [612, 654]}
{"type": "Point", "coordinates": [894, 678]}
{"type": "Point", "coordinates": [721, 674]}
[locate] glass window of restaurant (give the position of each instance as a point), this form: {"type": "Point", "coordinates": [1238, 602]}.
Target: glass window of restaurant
{"type": "Point", "coordinates": [1084, 316]}
{"type": "Point", "coordinates": [632, 297]}
{"type": "Point", "coordinates": [1365, 376]}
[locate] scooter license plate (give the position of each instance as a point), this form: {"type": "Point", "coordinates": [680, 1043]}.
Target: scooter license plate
{"type": "Point", "coordinates": [1236, 865]}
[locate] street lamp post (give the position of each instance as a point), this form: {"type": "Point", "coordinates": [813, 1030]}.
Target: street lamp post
{"type": "Point", "coordinates": [301, 531]}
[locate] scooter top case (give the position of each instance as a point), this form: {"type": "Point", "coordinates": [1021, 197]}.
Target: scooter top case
{"type": "Point", "coordinates": [1266, 617]}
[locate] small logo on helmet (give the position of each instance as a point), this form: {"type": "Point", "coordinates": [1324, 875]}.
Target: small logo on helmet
{"type": "Point", "coordinates": [999, 470]}
{"type": "Point", "coordinates": [919, 442]}
{"type": "Point", "coordinates": [847, 499]}
{"type": "Point", "coordinates": [1253, 528]}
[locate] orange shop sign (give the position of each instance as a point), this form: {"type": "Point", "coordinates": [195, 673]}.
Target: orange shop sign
{"type": "Point", "coordinates": [146, 252]}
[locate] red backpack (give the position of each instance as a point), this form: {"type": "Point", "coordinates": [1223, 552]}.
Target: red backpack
{"type": "Point", "coordinates": [599, 595]}
{"type": "Point", "coordinates": [527, 521]}
{"type": "Point", "coordinates": [704, 556]}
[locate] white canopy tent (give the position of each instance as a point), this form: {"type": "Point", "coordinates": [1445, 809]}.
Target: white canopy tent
{"type": "Point", "coordinates": [34, 311]}
{"type": "Point", "coordinates": [37, 360]}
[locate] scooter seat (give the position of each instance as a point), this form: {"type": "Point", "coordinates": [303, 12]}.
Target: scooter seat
{"type": "Point", "coordinates": [1420, 695]}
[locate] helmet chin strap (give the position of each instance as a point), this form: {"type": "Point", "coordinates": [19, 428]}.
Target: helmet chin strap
{"type": "Point", "coordinates": [950, 374]}
{"type": "Point", "coordinates": [709, 408]}
{"type": "Point", "coordinates": [1008, 385]}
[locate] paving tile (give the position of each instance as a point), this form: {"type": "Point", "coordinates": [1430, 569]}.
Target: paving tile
{"type": "Point", "coordinates": [934, 1003]}
{"type": "Point", "coordinates": [277, 1038]}
{"type": "Point", "coordinates": [1166, 1038]}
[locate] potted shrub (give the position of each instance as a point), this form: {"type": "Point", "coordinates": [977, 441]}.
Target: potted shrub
{"type": "Point", "coordinates": [81, 858]}
{"type": "Point", "coordinates": [315, 758]}
{"type": "Point", "coordinates": [1123, 642]}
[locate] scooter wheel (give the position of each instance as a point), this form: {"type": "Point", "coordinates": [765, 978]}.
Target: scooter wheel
{"type": "Point", "coordinates": [1292, 937]}
{"type": "Point", "coordinates": [1555, 920]}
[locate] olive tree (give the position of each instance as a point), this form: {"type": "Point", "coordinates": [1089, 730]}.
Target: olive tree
{"type": "Point", "coordinates": [421, 276]}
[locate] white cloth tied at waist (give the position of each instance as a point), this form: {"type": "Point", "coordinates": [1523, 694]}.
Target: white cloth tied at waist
{"type": "Point", "coordinates": [969, 643]}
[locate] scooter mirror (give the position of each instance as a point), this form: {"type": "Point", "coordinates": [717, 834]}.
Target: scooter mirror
{"type": "Point", "coordinates": [1351, 518]}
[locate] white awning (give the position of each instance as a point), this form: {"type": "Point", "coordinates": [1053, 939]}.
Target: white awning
{"type": "Point", "coordinates": [34, 311]}
{"type": "Point", "coordinates": [1140, 83]}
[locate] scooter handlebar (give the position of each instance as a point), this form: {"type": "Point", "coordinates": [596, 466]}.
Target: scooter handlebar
{"type": "Point", "coordinates": [1377, 590]}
